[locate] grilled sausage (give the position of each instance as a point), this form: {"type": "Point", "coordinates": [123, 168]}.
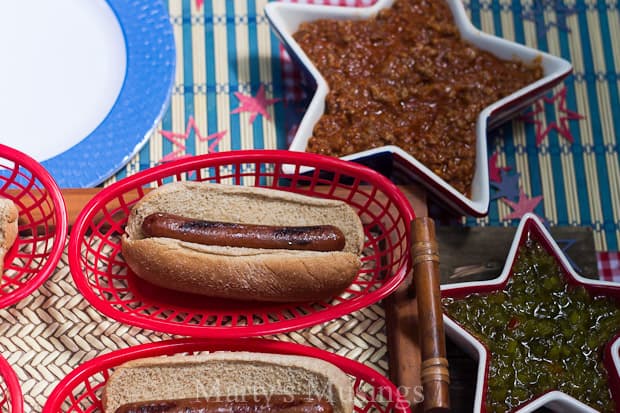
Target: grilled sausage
{"type": "Point", "coordinates": [248, 404]}
{"type": "Point", "coordinates": [281, 264]}
{"type": "Point", "coordinates": [313, 238]}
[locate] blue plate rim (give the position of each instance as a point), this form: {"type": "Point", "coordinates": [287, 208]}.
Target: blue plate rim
{"type": "Point", "coordinates": [143, 99]}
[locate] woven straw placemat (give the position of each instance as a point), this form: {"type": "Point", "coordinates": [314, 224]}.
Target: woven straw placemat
{"type": "Point", "coordinates": [54, 330]}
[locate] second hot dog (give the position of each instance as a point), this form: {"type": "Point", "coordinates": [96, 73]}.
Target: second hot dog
{"type": "Point", "coordinates": [246, 382]}
{"type": "Point", "coordinates": [8, 228]}
{"type": "Point", "coordinates": [250, 404]}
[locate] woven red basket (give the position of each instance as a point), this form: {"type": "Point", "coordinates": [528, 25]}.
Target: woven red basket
{"type": "Point", "coordinates": [104, 279]}
{"type": "Point", "coordinates": [80, 391]}
{"type": "Point", "coordinates": [42, 225]}
{"type": "Point", "coordinates": [11, 400]}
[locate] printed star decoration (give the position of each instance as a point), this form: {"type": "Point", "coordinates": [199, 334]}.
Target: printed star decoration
{"type": "Point", "coordinates": [494, 170]}
{"type": "Point", "coordinates": [199, 3]}
{"type": "Point", "coordinates": [523, 206]}
{"type": "Point", "coordinates": [256, 105]}
{"type": "Point", "coordinates": [564, 245]}
{"type": "Point", "coordinates": [562, 123]}
{"type": "Point", "coordinates": [538, 12]}
{"type": "Point", "coordinates": [178, 140]}
{"type": "Point", "coordinates": [507, 187]}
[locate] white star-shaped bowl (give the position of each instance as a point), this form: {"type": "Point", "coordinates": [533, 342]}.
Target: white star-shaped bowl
{"type": "Point", "coordinates": [285, 19]}
{"type": "Point", "coordinates": [530, 227]}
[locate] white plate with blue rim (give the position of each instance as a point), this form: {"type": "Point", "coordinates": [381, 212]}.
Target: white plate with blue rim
{"type": "Point", "coordinates": [83, 83]}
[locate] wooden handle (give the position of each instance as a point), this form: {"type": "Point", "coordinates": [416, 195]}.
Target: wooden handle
{"type": "Point", "coordinates": [401, 321]}
{"type": "Point", "coordinates": [75, 200]}
{"type": "Point", "coordinates": [434, 370]}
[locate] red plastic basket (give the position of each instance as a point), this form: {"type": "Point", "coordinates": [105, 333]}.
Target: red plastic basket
{"type": "Point", "coordinates": [104, 279]}
{"type": "Point", "coordinates": [11, 400]}
{"type": "Point", "coordinates": [80, 391]}
{"type": "Point", "coordinates": [42, 225]}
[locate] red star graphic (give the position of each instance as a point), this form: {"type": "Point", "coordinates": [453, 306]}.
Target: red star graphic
{"type": "Point", "coordinates": [178, 140]}
{"type": "Point", "coordinates": [199, 4]}
{"type": "Point", "coordinates": [561, 126]}
{"type": "Point", "coordinates": [523, 206]}
{"type": "Point", "coordinates": [255, 105]}
{"type": "Point", "coordinates": [494, 170]}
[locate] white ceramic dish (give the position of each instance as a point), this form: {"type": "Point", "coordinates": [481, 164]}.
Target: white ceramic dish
{"type": "Point", "coordinates": [530, 227]}
{"type": "Point", "coordinates": [83, 83]}
{"type": "Point", "coordinates": [285, 19]}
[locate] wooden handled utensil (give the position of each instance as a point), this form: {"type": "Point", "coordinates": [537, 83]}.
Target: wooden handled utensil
{"type": "Point", "coordinates": [434, 373]}
{"type": "Point", "coordinates": [416, 340]}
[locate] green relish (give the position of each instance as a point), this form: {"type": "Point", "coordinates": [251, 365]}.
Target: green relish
{"type": "Point", "coordinates": [543, 334]}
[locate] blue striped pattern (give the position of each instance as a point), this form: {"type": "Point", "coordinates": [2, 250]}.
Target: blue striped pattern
{"type": "Point", "coordinates": [226, 47]}
{"type": "Point", "coordinates": [578, 177]}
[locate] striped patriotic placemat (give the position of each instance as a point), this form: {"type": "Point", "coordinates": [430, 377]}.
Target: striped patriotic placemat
{"type": "Point", "coordinates": [236, 89]}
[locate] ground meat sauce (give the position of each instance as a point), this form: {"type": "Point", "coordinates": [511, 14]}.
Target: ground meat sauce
{"type": "Point", "coordinates": [406, 78]}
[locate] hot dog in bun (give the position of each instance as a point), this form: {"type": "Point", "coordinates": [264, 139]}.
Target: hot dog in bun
{"type": "Point", "coordinates": [228, 381]}
{"type": "Point", "coordinates": [244, 243]}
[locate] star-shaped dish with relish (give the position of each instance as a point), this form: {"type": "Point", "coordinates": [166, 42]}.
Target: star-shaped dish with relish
{"type": "Point", "coordinates": [286, 18]}
{"type": "Point", "coordinates": [542, 335]}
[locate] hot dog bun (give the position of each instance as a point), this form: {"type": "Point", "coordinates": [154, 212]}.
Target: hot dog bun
{"type": "Point", "coordinates": [226, 374]}
{"type": "Point", "coordinates": [237, 272]}
{"type": "Point", "coordinates": [8, 228]}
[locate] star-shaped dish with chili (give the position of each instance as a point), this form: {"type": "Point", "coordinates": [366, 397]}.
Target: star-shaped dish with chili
{"type": "Point", "coordinates": [538, 313]}
{"type": "Point", "coordinates": [286, 18]}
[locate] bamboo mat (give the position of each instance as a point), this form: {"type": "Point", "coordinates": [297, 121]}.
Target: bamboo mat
{"type": "Point", "coordinates": [564, 148]}
{"type": "Point", "coordinates": [226, 47]}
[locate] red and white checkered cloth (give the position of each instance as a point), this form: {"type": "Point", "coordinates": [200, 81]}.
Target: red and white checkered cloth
{"type": "Point", "coordinates": [352, 3]}
{"type": "Point", "coordinates": [291, 75]}
{"type": "Point", "coordinates": [609, 265]}
{"type": "Point", "coordinates": [291, 78]}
